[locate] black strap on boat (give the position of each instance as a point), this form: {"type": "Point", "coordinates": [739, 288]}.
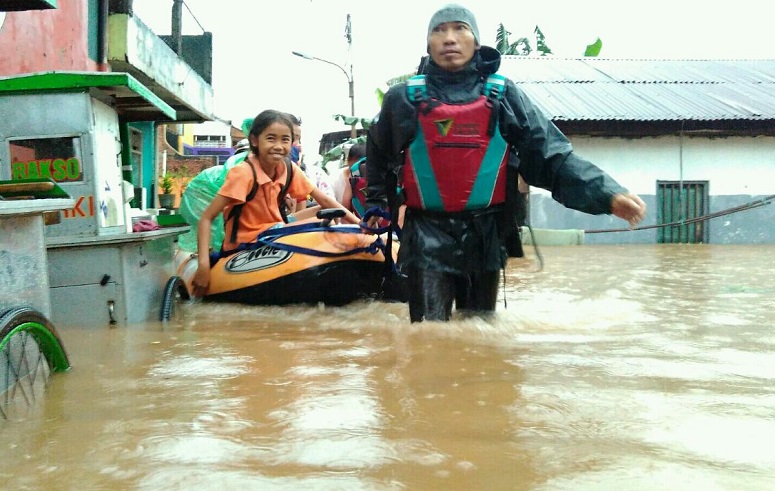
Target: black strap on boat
{"type": "Point", "coordinates": [394, 283]}
{"type": "Point", "coordinates": [391, 183]}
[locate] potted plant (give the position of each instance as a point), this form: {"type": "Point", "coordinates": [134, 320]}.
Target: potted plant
{"type": "Point", "coordinates": [166, 197]}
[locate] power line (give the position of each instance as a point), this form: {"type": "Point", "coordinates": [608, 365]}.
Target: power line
{"type": "Point", "coordinates": [748, 206]}
{"type": "Point", "coordinates": [193, 16]}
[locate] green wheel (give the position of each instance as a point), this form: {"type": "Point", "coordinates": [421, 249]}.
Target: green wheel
{"type": "Point", "coordinates": [30, 350]}
{"type": "Point", "coordinates": [175, 293]}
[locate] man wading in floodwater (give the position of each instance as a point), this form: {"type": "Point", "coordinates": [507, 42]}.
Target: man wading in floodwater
{"type": "Point", "coordinates": [445, 136]}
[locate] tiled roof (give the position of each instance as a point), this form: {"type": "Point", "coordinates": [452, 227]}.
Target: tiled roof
{"type": "Point", "coordinates": [594, 89]}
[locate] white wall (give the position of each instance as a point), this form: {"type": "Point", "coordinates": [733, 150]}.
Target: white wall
{"type": "Point", "coordinates": [212, 128]}
{"type": "Point", "coordinates": [739, 171]}
{"type": "Point", "coordinates": [732, 165]}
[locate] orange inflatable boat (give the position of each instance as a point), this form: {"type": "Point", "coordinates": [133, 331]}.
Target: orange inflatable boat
{"type": "Point", "coordinates": [312, 262]}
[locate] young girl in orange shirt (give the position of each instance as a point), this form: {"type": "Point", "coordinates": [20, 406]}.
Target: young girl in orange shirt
{"type": "Point", "coordinates": [265, 167]}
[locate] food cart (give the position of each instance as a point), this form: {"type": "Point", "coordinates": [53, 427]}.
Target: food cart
{"type": "Point", "coordinates": [65, 126]}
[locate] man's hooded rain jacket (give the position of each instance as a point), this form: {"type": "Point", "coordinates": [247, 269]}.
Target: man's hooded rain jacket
{"type": "Point", "coordinates": [470, 242]}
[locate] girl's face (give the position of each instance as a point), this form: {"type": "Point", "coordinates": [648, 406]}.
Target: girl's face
{"type": "Point", "coordinates": [274, 143]}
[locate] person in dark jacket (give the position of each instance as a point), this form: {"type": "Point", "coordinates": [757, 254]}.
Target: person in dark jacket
{"type": "Point", "coordinates": [447, 138]}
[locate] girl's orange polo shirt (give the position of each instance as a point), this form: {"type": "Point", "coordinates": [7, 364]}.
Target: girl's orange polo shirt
{"type": "Point", "coordinates": [262, 211]}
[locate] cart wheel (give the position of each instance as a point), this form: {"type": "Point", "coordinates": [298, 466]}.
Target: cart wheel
{"type": "Point", "coordinates": [30, 349]}
{"type": "Point", "coordinates": [175, 293]}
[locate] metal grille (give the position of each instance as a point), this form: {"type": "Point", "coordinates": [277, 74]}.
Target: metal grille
{"type": "Point", "coordinates": [680, 207]}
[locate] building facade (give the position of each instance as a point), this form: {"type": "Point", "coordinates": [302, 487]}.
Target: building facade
{"type": "Point", "coordinates": [83, 88]}
{"type": "Point", "coordinates": [694, 138]}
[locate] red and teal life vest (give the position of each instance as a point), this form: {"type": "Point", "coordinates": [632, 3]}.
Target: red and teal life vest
{"type": "Point", "coordinates": [457, 160]}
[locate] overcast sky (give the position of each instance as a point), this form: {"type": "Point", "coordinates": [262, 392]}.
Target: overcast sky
{"type": "Point", "coordinates": [253, 68]}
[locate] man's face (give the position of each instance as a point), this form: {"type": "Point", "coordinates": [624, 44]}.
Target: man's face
{"type": "Point", "coordinates": [452, 45]}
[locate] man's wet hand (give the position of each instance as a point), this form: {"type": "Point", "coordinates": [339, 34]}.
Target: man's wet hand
{"type": "Point", "coordinates": [372, 223]}
{"type": "Point", "coordinates": [628, 206]}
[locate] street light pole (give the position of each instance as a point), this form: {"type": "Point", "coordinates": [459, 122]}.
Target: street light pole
{"type": "Point", "coordinates": [350, 85]}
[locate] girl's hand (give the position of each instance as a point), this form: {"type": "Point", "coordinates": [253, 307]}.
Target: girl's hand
{"type": "Point", "coordinates": [290, 202]}
{"type": "Point", "coordinates": [201, 281]}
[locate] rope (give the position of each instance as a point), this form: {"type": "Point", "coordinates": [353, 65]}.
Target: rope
{"type": "Point", "coordinates": [373, 248]}
{"type": "Point", "coordinates": [535, 246]}
{"type": "Point", "coordinates": [270, 237]}
{"type": "Point", "coordinates": [748, 206]}
{"type": "Point", "coordinates": [376, 211]}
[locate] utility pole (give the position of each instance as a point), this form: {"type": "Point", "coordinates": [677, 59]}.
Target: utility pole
{"type": "Point", "coordinates": [348, 34]}
{"type": "Point", "coordinates": [177, 26]}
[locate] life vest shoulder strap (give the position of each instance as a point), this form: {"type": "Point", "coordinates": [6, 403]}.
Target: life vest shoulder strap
{"type": "Point", "coordinates": [355, 169]}
{"type": "Point", "coordinates": [494, 86]}
{"type": "Point", "coordinates": [417, 90]}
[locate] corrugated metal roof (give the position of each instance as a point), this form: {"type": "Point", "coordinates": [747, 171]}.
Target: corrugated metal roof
{"type": "Point", "coordinates": [594, 89]}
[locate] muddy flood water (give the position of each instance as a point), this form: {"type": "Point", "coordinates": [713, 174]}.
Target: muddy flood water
{"type": "Point", "coordinates": [637, 367]}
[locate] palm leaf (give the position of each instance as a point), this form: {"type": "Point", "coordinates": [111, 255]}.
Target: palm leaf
{"type": "Point", "coordinates": [521, 47]}
{"type": "Point", "coordinates": [337, 152]}
{"type": "Point", "coordinates": [594, 48]}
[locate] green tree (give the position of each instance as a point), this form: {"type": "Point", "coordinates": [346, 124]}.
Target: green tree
{"type": "Point", "coordinates": [541, 42]}
{"type": "Point", "coordinates": [522, 47]}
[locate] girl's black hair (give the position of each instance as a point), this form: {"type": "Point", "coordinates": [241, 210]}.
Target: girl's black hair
{"type": "Point", "coordinates": [356, 152]}
{"type": "Point", "coordinates": [295, 119]}
{"type": "Point", "coordinates": [264, 120]}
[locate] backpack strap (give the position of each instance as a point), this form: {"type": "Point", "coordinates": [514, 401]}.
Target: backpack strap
{"type": "Point", "coordinates": [236, 210]}
{"type": "Point", "coordinates": [284, 190]}
{"type": "Point", "coordinates": [416, 89]}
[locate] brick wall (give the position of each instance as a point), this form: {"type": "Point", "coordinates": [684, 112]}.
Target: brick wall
{"type": "Point", "coordinates": [183, 166]}
{"type": "Point", "coordinates": [190, 165]}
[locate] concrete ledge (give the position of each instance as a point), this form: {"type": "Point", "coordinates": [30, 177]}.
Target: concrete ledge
{"type": "Point", "coordinates": [551, 237]}
{"type": "Point", "coordinates": [135, 49]}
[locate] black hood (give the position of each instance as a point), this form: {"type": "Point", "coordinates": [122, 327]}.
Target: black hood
{"type": "Point", "coordinates": [485, 62]}
{"type": "Point", "coordinates": [489, 60]}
